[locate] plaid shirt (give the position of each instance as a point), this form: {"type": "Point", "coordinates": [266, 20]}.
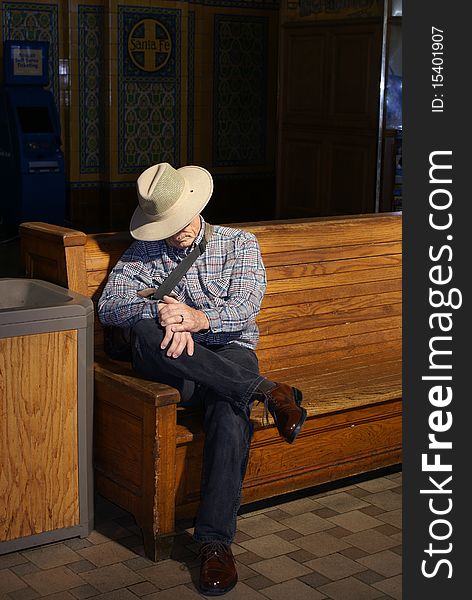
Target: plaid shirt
{"type": "Point", "coordinates": [227, 282]}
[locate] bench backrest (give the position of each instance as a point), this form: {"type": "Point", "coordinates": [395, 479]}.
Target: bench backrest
{"type": "Point", "coordinates": [334, 284]}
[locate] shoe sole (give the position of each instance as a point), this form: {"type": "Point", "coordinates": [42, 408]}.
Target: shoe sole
{"type": "Point", "coordinates": [298, 399]}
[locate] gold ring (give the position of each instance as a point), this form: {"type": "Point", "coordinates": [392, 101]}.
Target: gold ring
{"type": "Point", "coordinates": [182, 317]}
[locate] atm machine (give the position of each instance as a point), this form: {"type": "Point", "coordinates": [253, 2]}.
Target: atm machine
{"type": "Point", "coordinates": [32, 177]}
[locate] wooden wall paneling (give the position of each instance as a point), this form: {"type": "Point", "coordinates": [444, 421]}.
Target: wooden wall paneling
{"type": "Point", "coordinates": [38, 434]}
{"type": "Point", "coordinates": [329, 86]}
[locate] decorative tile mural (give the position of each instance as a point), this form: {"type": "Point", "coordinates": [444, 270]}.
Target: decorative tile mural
{"type": "Point", "coordinates": [91, 22]}
{"type": "Point", "coordinates": [240, 90]}
{"type": "Point", "coordinates": [148, 87]}
{"type": "Point", "coordinates": [35, 22]}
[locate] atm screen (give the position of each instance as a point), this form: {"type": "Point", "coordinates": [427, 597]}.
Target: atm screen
{"type": "Point", "coordinates": [35, 119]}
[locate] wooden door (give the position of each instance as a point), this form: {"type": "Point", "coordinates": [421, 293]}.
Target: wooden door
{"type": "Point", "coordinates": [328, 108]}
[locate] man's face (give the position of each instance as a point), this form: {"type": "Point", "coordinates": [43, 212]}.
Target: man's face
{"type": "Point", "coordinates": [186, 236]}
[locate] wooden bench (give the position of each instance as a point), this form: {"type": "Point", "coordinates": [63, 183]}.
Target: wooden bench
{"type": "Point", "coordinates": [330, 324]}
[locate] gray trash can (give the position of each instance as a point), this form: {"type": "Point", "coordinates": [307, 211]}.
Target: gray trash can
{"type": "Point", "coordinates": [46, 415]}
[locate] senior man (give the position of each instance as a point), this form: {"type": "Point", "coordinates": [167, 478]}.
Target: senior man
{"type": "Point", "coordinates": [200, 340]}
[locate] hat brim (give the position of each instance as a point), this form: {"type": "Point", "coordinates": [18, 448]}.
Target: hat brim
{"type": "Point", "coordinates": [198, 192]}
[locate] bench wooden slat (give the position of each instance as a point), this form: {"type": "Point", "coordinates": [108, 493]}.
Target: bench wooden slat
{"type": "Point", "coordinates": [332, 292]}
{"type": "Point", "coordinates": [338, 331]}
{"type": "Point", "coordinates": [333, 253]}
{"type": "Point", "coordinates": [303, 323]}
{"type": "Point", "coordinates": [300, 354]}
{"type": "Point", "coordinates": [318, 269]}
{"type": "Point", "coordinates": [331, 308]}
{"type": "Point", "coordinates": [335, 279]}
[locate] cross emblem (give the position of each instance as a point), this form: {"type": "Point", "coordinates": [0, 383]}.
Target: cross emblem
{"type": "Point", "coordinates": [149, 45]}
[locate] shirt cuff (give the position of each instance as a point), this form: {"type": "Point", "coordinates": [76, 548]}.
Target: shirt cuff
{"type": "Point", "coordinates": [214, 319]}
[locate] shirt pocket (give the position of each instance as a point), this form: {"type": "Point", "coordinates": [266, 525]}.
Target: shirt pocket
{"type": "Point", "coordinates": [217, 287]}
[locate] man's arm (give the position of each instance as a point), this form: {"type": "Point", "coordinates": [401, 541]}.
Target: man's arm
{"type": "Point", "coordinates": [120, 303]}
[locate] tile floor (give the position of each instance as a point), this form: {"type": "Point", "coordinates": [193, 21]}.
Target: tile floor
{"type": "Point", "coordinates": [340, 544]}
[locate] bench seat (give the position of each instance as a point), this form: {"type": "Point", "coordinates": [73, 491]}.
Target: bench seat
{"type": "Point", "coordinates": [330, 325]}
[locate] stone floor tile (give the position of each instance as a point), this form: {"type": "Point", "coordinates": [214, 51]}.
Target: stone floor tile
{"type": "Point", "coordinates": [135, 564]}
{"type": "Point", "coordinates": [245, 571]}
{"type": "Point", "coordinates": [52, 555]}
{"type": "Point", "coordinates": [236, 549]}
{"type": "Point", "coordinates": [370, 540]}
{"type": "Point", "coordinates": [241, 537]}
{"type": "Point", "coordinates": [395, 476]}
{"type": "Point", "coordinates": [335, 566]}
{"type": "Point", "coordinates": [84, 591]}
{"type": "Point", "coordinates": [258, 582]}
{"type": "Point", "coordinates": [260, 511]}
{"type": "Point", "coordinates": [378, 484]}
{"type": "Point", "coordinates": [397, 549]}
{"type": "Point", "coordinates": [25, 568]}
{"type": "Point", "coordinates": [259, 525]}
{"type": "Point", "coordinates": [131, 542]}
{"type": "Point", "coordinates": [96, 538]}
{"type": "Point", "coordinates": [11, 560]}
{"type": "Point", "coordinates": [342, 502]}
{"type": "Point", "coordinates": [66, 595]}
{"type": "Point", "coordinates": [387, 529]}
{"type": "Point", "coordinates": [288, 534]}
{"type": "Point", "coordinates": [391, 586]}
{"type": "Point", "coordinates": [398, 537]}
{"type": "Point", "coordinates": [307, 523]}
{"type": "Point", "coordinates": [114, 531]}
{"type": "Point", "coordinates": [241, 592]}
{"type": "Point", "coordinates": [301, 556]}
{"type": "Point", "coordinates": [358, 493]}
{"type": "Point", "coordinates": [81, 566]}
{"type": "Point", "coordinates": [107, 553]}
{"type": "Point", "coordinates": [392, 517]}
{"type": "Point", "coordinates": [121, 594]}
{"type": "Point", "coordinates": [350, 589]}
{"type": "Point", "coordinates": [355, 520]}
{"type": "Point", "coordinates": [314, 580]}
{"type": "Point", "coordinates": [247, 558]}
{"type": "Point", "coordinates": [325, 512]}
{"type": "Point", "coordinates": [111, 577]}
{"type": "Point", "coordinates": [143, 588]}
{"type": "Point", "coordinates": [180, 592]}
{"type": "Point", "coordinates": [25, 593]}
{"type": "Point", "coordinates": [268, 546]}
{"type": "Point", "coordinates": [339, 532]}
{"type": "Point", "coordinates": [386, 500]}
{"type": "Point", "coordinates": [398, 489]}
{"type": "Point", "coordinates": [58, 579]}
{"type": "Point", "coordinates": [386, 563]}
{"type": "Point", "coordinates": [373, 511]}
{"type": "Point", "coordinates": [353, 553]}
{"type": "Point", "coordinates": [166, 574]}
{"type": "Point", "coordinates": [368, 576]}
{"type": "Point", "coordinates": [321, 544]}
{"type": "Point", "coordinates": [9, 582]}
{"type": "Point", "coordinates": [280, 568]}
{"type": "Point", "coordinates": [292, 589]}
{"type": "Point", "coordinates": [302, 505]}
{"type": "Point", "coordinates": [77, 543]}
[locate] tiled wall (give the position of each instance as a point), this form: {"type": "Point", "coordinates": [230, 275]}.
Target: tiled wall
{"type": "Point", "coordinates": [206, 96]}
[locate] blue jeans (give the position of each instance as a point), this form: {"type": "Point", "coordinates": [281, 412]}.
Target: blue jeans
{"type": "Point", "coordinates": [222, 381]}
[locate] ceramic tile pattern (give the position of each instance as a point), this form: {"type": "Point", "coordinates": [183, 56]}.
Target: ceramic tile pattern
{"type": "Point", "coordinates": [323, 545]}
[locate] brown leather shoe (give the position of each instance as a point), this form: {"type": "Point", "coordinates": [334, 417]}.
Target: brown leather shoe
{"type": "Point", "coordinates": [284, 405]}
{"type": "Point", "coordinates": [217, 570]}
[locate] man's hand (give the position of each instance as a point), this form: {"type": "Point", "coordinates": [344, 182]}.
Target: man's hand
{"type": "Point", "coordinates": [179, 341]}
{"type": "Point", "coordinates": [179, 317]}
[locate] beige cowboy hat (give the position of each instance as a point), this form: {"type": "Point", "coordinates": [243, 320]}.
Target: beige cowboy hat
{"type": "Point", "coordinates": [169, 199]}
